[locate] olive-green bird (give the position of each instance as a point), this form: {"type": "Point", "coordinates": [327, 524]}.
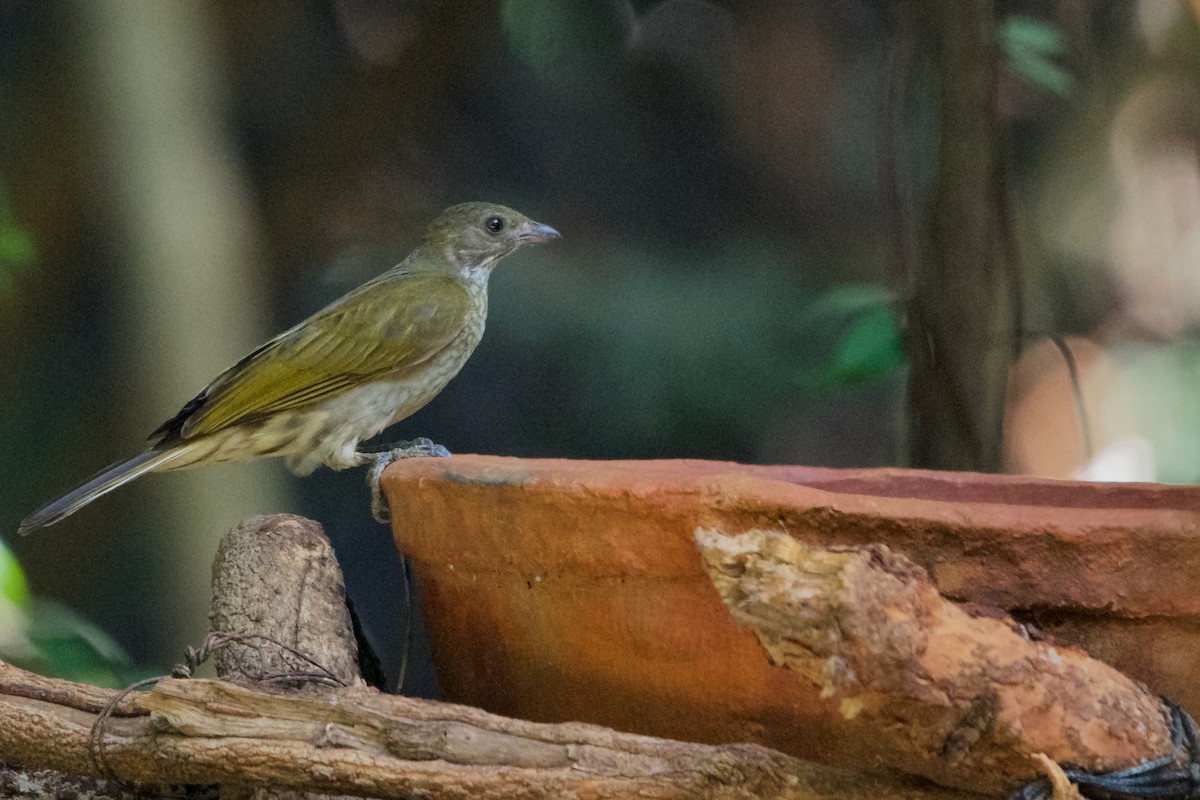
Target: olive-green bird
{"type": "Point", "coordinates": [344, 374]}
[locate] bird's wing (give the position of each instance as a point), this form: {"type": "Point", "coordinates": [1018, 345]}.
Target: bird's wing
{"type": "Point", "coordinates": [386, 327]}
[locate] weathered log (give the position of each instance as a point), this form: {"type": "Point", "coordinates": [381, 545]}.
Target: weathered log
{"type": "Point", "coordinates": [962, 699]}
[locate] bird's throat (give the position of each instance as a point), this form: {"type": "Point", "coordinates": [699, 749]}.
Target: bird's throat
{"type": "Point", "coordinates": [470, 272]}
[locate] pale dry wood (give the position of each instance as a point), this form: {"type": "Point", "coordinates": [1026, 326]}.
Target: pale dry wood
{"type": "Point", "coordinates": [358, 741]}
{"type": "Point", "coordinates": [277, 575]}
{"type": "Point", "coordinates": [924, 684]}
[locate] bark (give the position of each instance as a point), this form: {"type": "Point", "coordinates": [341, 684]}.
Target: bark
{"type": "Point", "coordinates": [298, 626]}
{"type": "Point", "coordinates": [927, 686]}
{"type": "Point", "coordinates": [361, 742]}
{"type": "Point", "coordinates": [962, 699]}
{"type": "Point", "coordinates": [276, 576]}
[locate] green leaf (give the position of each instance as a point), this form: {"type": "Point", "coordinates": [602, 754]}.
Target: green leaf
{"type": "Point", "coordinates": [70, 647]}
{"type": "Point", "coordinates": [1043, 73]}
{"type": "Point", "coordinates": [13, 586]}
{"type": "Point", "coordinates": [1032, 34]}
{"type": "Point", "coordinates": [871, 347]}
{"type": "Point", "coordinates": [846, 301]}
{"type": "Point", "coordinates": [863, 326]}
{"type": "Point", "coordinates": [16, 245]}
{"type": "Point", "coordinates": [1031, 46]}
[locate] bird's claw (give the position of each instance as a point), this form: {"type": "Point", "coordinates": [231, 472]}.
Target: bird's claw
{"type": "Point", "coordinates": [379, 461]}
{"type": "Point", "coordinates": [417, 448]}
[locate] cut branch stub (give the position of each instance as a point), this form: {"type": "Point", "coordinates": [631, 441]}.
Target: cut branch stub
{"type": "Point", "coordinates": [965, 700]}
{"type": "Point", "coordinates": [277, 585]}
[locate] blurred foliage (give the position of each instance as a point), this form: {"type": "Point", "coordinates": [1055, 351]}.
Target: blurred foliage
{"type": "Point", "coordinates": [17, 250]}
{"type": "Point", "coordinates": [46, 637]}
{"type": "Point", "coordinates": [566, 43]}
{"type": "Point", "coordinates": [693, 364]}
{"type": "Point", "coordinates": [65, 645]}
{"type": "Point", "coordinates": [1031, 46]}
{"type": "Point", "coordinates": [14, 589]}
{"type": "Point", "coordinates": [1158, 387]}
{"type": "Point", "coordinates": [861, 327]}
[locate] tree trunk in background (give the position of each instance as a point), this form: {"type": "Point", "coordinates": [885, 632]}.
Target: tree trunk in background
{"type": "Point", "coordinates": [960, 325]}
{"type": "Point", "coordinates": [195, 300]}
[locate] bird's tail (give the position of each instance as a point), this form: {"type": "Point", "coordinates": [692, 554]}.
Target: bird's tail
{"type": "Point", "coordinates": [99, 484]}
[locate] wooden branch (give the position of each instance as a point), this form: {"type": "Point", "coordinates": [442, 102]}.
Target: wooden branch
{"type": "Point", "coordinates": [358, 741]}
{"type": "Point", "coordinates": [926, 686]}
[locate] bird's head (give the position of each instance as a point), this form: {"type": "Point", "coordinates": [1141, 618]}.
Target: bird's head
{"type": "Point", "coordinates": [473, 236]}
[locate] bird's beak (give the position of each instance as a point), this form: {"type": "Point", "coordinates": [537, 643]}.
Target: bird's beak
{"type": "Point", "coordinates": [537, 233]}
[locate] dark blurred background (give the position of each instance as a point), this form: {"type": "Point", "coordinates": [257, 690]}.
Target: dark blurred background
{"type": "Point", "coordinates": [179, 181]}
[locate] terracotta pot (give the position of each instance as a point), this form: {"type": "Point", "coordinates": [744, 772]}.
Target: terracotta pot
{"type": "Point", "coordinates": [572, 590]}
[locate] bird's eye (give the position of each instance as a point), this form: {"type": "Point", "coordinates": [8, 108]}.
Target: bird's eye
{"type": "Point", "coordinates": [494, 224]}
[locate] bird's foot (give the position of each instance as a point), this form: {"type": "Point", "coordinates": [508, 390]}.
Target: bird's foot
{"type": "Point", "coordinates": [379, 461]}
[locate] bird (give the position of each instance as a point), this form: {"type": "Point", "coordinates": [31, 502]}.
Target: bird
{"type": "Point", "coordinates": [344, 374]}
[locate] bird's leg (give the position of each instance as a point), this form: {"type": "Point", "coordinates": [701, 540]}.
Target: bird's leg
{"type": "Point", "coordinates": [380, 457]}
